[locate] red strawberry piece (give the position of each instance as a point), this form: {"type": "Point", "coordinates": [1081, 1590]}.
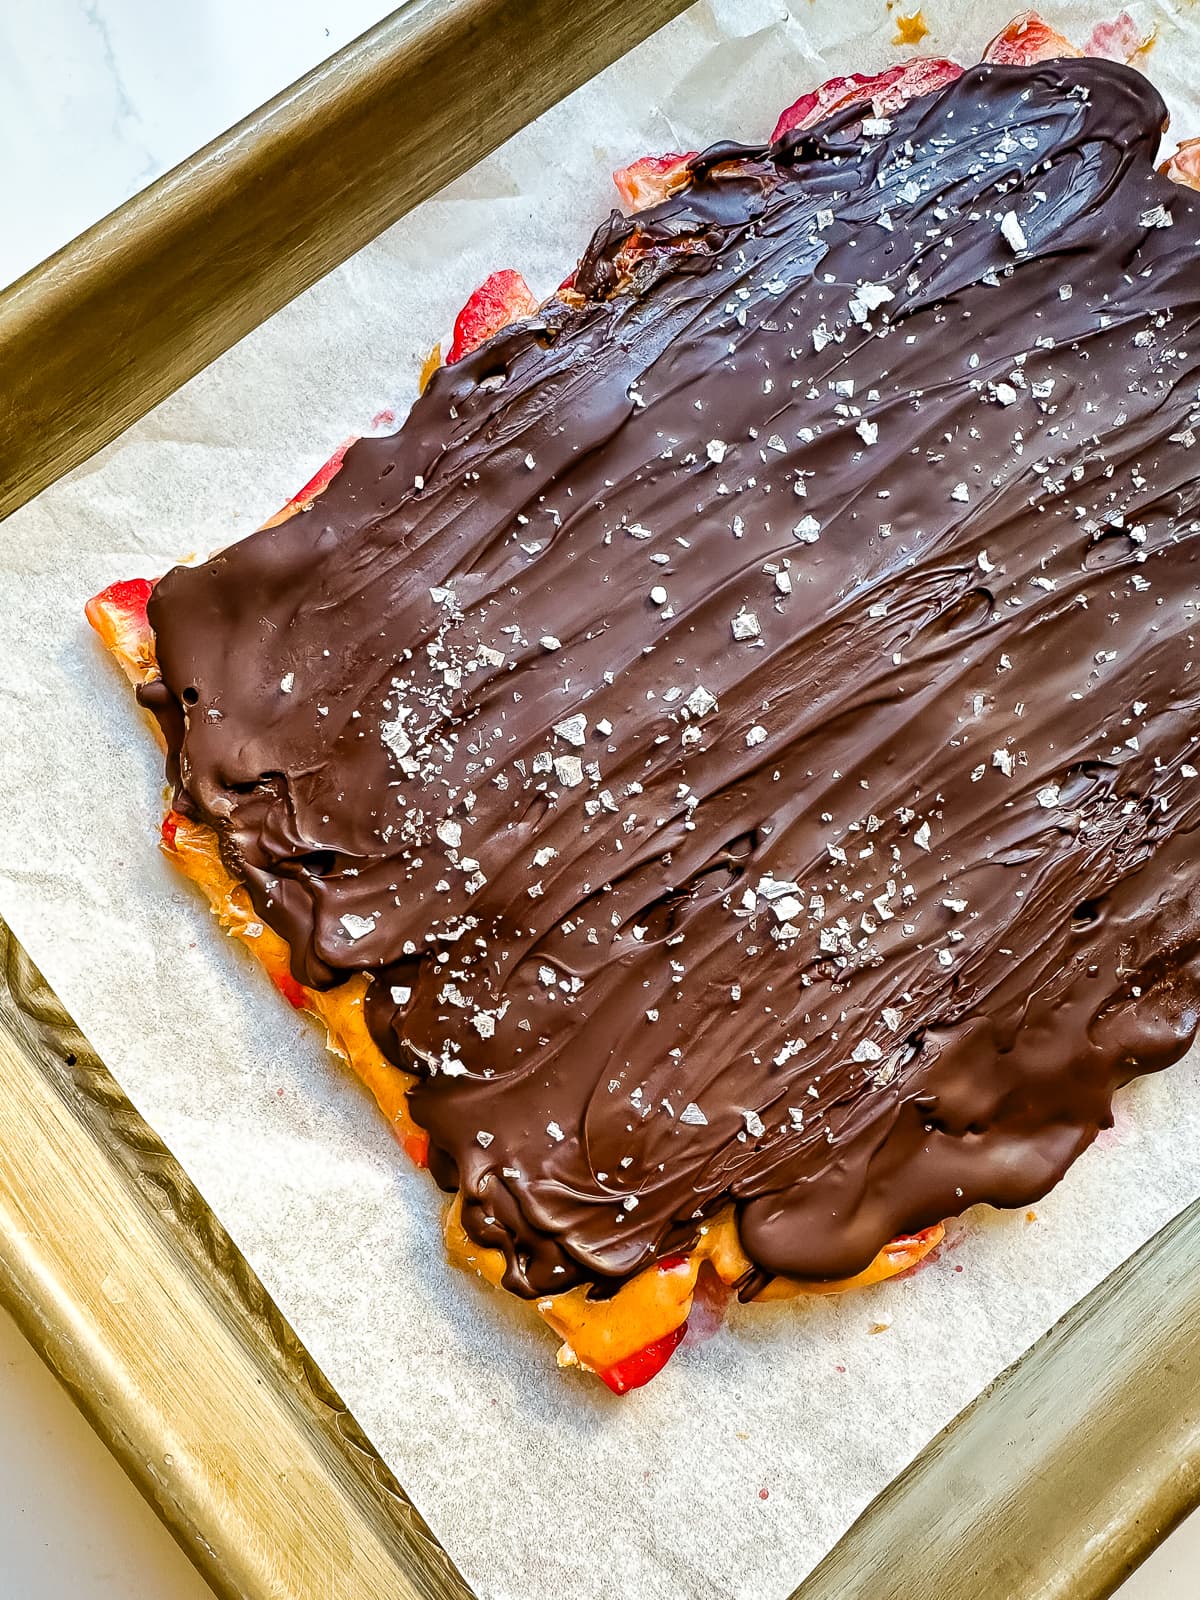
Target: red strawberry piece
{"type": "Point", "coordinates": [120, 609]}
{"type": "Point", "coordinates": [652, 178]}
{"type": "Point", "coordinates": [633, 1371]}
{"type": "Point", "coordinates": [294, 993]}
{"type": "Point", "coordinates": [320, 479]}
{"type": "Point", "coordinates": [669, 1263]}
{"type": "Point", "coordinates": [1027, 39]}
{"type": "Point", "coordinates": [710, 1303]}
{"type": "Point", "coordinates": [170, 827]}
{"type": "Point", "coordinates": [128, 598]}
{"type": "Point", "coordinates": [836, 92]}
{"type": "Point", "coordinates": [118, 615]}
{"type": "Point", "coordinates": [1118, 40]}
{"type": "Point", "coordinates": [886, 91]}
{"type": "Point", "coordinates": [921, 75]}
{"type": "Point", "coordinates": [416, 1147]}
{"type": "Point", "coordinates": [906, 1241]}
{"type": "Point", "coordinates": [503, 298]}
{"type": "Point", "coordinates": [1184, 166]}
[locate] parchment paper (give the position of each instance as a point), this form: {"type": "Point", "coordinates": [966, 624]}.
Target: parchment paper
{"type": "Point", "coordinates": [738, 1468]}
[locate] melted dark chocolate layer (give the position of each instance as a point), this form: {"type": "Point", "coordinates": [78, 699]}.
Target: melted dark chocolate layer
{"type": "Point", "coordinates": [747, 725]}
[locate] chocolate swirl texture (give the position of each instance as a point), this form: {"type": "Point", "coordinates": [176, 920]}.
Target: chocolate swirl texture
{"type": "Point", "coordinates": [745, 720]}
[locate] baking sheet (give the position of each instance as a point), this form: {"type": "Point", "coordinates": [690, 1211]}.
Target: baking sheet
{"type": "Point", "coordinates": [746, 1459]}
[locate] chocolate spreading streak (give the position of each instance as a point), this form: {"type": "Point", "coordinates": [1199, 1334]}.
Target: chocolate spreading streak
{"type": "Point", "coordinates": [745, 723]}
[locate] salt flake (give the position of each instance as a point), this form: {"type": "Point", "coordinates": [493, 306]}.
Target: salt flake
{"type": "Point", "coordinates": [1014, 234]}
{"type": "Point", "coordinates": [807, 530]}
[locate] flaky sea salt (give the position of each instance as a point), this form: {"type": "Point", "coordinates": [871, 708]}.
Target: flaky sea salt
{"type": "Point", "coordinates": [807, 530]}
{"type": "Point", "coordinates": [700, 702]}
{"type": "Point", "coordinates": [873, 295]}
{"type": "Point", "coordinates": [866, 1050]}
{"type": "Point", "coordinates": [1013, 232]}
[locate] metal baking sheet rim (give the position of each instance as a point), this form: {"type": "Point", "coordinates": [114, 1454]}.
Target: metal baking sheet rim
{"type": "Point", "coordinates": [1056, 1482]}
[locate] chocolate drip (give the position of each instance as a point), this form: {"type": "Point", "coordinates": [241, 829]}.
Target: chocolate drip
{"type": "Point", "coordinates": [746, 723]}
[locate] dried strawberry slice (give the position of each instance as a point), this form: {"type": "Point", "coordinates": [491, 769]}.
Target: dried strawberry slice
{"type": "Point", "coordinates": [121, 608]}
{"type": "Point", "coordinates": [818, 103]}
{"type": "Point", "coordinates": [905, 1243]}
{"type": "Point", "coordinates": [320, 479]}
{"type": "Point", "coordinates": [1026, 39]}
{"type": "Point", "coordinates": [652, 179]}
{"type": "Point", "coordinates": [887, 91]}
{"type": "Point", "coordinates": [416, 1147]}
{"type": "Point", "coordinates": [1029, 38]}
{"type": "Point", "coordinates": [921, 75]}
{"type": "Point", "coordinates": [294, 993]}
{"type": "Point", "coordinates": [631, 1372]}
{"type": "Point", "coordinates": [503, 298]}
{"type": "Point", "coordinates": [1118, 40]}
{"type": "Point", "coordinates": [1184, 166]}
{"type": "Point", "coordinates": [118, 615]}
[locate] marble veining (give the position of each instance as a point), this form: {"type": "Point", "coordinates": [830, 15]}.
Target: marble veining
{"type": "Point", "coordinates": [100, 97]}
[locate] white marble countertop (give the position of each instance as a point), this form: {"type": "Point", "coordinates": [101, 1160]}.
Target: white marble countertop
{"type": "Point", "coordinates": [97, 98]}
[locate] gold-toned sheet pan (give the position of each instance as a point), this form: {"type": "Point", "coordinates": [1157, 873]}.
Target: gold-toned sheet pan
{"type": "Point", "coordinates": [1054, 1483]}
{"type": "Point", "coordinates": [123, 1279]}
